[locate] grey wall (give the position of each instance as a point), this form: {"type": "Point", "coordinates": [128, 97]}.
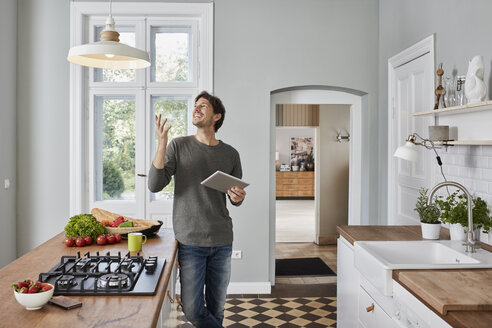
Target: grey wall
{"type": "Point", "coordinates": [283, 140]}
{"type": "Point", "coordinates": [262, 46]}
{"type": "Point", "coordinates": [333, 171]}
{"type": "Point", "coordinates": [42, 121]}
{"type": "Point", "coordinates": [462, 30]}
{"type": "Point", "coordinates": [8, 40]}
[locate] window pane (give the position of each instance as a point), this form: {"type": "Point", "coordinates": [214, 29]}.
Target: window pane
{"type": "Point", "coordinates": [127, 36]}
{"type": "Point", "coordinates": [171, 54]}
{"type": "Point", "coordinates": [175, 109]}
{"type": "Point", "coordinates": [115, 147]}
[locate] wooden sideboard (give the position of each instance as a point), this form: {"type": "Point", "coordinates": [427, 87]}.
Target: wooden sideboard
{"type": "Point", "coordinates": [295, 184]}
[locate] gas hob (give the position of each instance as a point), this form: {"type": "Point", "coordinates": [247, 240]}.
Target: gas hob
{"type": "Point", "coordinates": [91, 275]}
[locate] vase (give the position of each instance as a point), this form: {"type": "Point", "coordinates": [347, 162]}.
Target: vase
{"type": "Point", "coordinates": [310, 166]}
{"type": "Point", "coordinates": [430, 230]}
{"type": "Point", "coordinates": [457, 231]}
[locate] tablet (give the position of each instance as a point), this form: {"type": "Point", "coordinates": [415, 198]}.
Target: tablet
{"type": "Point", "coordinates": [222, 182]}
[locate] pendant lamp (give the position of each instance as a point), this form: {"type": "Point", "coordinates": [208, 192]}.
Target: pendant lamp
{"type": "Point", "coordinates": [109, 52]}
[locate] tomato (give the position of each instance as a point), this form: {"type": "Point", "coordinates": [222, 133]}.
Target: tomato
{"type": "Point", "coordinates": [117, 237]}
{"type": "Point", "coordinates": [80, 242]}
{"type": "Point", "coordinates": [111, 239]}
{"type": "Point", "coordinates": [69, 242]}
{"type": "Point", "coordinates": [88, 240]}
{"type": "Point", "coordinates": [32, 290]}
{"type": "Point", "coordinates": [101, 240]}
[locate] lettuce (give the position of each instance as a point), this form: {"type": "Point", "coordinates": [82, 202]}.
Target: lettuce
{"type": "Point", "coordinates": [84, 225]}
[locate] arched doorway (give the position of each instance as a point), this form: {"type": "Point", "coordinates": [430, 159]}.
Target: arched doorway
{"type": "Point", "coordinates": [358, 153]}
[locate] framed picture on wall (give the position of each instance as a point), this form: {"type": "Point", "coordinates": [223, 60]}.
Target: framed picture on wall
{"type": "Point", "coordinates": [300, 148]}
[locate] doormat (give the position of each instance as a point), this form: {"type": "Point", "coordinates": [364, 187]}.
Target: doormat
{"type": "Point", "coordinates": [312, 266]}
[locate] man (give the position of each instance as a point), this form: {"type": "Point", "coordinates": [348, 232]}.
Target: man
{"type": "Point", "coordinates": [201, 220]}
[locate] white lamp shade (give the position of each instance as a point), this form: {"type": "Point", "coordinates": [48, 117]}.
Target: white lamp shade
{"type": "Point", "coordinates": [121, 56]}
{"type": "Point", "coordinates": [407, 152]}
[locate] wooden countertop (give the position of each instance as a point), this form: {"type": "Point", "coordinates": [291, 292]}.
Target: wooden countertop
{"type": "Point", "coordinates": [458, 319]}
{"type": "Point", "coordinates": [380, 233]}
{"type": "Point", "coordinates": [96, 311]}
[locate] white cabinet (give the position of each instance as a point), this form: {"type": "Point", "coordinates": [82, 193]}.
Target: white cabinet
{"type": "Point", "coordinates": [165, 320]}
{"type": "Point", "coordinates": [360, 304]}
{"type": "Point", "coordinates": [347, 285]}
{"type": "Point", "coordinates": [371, 315]}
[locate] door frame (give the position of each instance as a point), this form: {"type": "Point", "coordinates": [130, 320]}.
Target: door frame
{"type": "Point", "coordinates": [331, 96]}
{"type": "Point", "coordinates": [417, 50]}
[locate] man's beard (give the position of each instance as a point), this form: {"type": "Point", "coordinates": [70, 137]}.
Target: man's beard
{"type": "Point", "coordinates": [204, 124]}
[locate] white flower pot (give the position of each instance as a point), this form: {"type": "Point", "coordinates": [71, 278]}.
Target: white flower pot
{"type": "Point", "coordinates": [430, 230]}
{"type": "Point", "coordinates": [457, 232]}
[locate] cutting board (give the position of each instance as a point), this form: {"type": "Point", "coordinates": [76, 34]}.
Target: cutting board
{"type": "Point", "coordinates": [451, 290]}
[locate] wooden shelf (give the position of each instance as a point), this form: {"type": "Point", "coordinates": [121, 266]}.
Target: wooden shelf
{"type": "Point", "coordinates": [464, 143]}
{"type": "Point", "coordinates": [477, 107]}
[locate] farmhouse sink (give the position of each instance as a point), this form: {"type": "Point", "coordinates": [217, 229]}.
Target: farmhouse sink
{"type": "Point", "coordinates": [376, 260]}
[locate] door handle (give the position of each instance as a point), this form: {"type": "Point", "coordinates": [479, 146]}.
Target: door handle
{"type": "Point", "coordinates": [141, 175]}
{"type": "Point", "coordinates": [370, 308]}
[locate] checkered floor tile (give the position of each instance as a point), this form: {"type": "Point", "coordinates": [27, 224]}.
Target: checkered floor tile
{"type": "Point", "coordinates": [309, 312]}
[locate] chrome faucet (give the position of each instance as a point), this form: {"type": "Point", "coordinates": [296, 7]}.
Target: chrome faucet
{"type": "Point", "coordinates": [470, 240]}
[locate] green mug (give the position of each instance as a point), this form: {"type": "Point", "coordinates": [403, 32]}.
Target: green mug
{"type": "Point", "coordinates": [135, 241]}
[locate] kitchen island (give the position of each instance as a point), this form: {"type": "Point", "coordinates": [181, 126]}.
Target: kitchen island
{"type": "Point", "coordinates": [408, 279]}
{"type": "Point", "coordinates": [96, 311]}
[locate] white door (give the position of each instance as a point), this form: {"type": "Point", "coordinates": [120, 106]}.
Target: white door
{"type": "Point", "coordinates": [411, 89]}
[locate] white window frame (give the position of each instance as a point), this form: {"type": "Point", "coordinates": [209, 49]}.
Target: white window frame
{"type": "Point", "coordinates": [194, 65]}
{"type": "Point", "coordinates": [81, 14]}
{"type": "Point", "coordinates": [139, 24]}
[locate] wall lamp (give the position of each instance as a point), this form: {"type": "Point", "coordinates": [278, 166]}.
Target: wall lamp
{"type": "Point", "coordinates": [409, 152]}
{"type": "Point", "coordinates": [340, 137]}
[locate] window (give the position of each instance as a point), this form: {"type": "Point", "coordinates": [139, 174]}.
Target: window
{"type": "Point", "coordinates": [112, 111]}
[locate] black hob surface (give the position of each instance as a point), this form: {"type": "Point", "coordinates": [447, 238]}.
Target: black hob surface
{"type": "Point", "coordinates": [105, 275]}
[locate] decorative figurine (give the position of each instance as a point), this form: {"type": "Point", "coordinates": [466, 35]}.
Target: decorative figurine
{"type": "Point", "coordinates": [440, 91]}
{"type": "Point", "coordinates": [474, 85]}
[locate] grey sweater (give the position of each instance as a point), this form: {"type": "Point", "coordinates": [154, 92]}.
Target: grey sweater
{"type": "Point", "coordinates": [200, 215]}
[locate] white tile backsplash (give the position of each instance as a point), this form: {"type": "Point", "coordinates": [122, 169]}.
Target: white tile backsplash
{"type": "Point", "coordinates": [472, 167]}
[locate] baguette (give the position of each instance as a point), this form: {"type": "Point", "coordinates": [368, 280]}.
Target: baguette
{"type": "Point", "coordinates": [101, 215]}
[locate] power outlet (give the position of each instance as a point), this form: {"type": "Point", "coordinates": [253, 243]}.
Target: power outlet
{"type": "Point", "coordinates": [237, 254]}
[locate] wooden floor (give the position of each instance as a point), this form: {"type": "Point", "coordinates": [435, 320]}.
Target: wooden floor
{"type": "Point", "coordinates": [294, 221]}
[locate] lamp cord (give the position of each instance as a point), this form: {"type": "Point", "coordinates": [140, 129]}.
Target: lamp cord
{"type": "Point", "coordinates": [438, 158]}
{"type": "Point", "coordinates": [111, 8]}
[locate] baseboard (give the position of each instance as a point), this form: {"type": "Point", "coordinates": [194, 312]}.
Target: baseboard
{"type": "Point", "coordinates": [242, 288]}
{"type": "Point", "coordinates": [327, 240]}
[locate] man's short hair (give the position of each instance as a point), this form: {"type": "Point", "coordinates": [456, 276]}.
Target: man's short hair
{"type": "Point", "coordinates": [217, 107]}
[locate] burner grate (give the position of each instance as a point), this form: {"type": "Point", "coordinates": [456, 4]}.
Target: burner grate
{"type": "Point", "coordinates": [105, 274]}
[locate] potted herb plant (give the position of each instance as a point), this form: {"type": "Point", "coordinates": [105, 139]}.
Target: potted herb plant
{"type": "Point", "coordinates": [454, 210]}
{"type": "Point", "coordinates": [429, 216]}
{"type": "Point", "coordinates": [310, 162]}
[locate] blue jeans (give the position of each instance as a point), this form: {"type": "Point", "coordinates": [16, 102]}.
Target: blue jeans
{"type": "Point", "coordinates": [209, 267]}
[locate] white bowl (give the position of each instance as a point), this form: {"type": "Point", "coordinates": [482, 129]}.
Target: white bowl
{"type": "Point", "coordinates": [34, 301]}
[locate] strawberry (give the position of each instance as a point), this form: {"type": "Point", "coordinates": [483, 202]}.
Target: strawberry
{"type": "Point", "coordinates": [46, 288]}
{"type": "Point", "coordinates": [24, 290]}
{"type": "Point", "coordinates": [33, 290]}
{"type": "Point", "coordinates": [39, 284]}
{"type": "Point", "coordinates": [21, 284]}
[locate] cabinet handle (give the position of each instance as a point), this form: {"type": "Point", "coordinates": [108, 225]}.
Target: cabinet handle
{"type": "Point", "coordinates": [370, 308]}
{"type": "Point", "coordinates": [169, 296]}
{"type": "Point", "coordinates": [141, 175]}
